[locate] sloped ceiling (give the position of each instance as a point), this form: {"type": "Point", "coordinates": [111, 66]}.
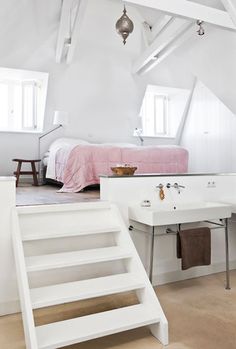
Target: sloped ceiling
{"type": "Point", "coordinates": [26, 25]}
{"type": "Point", "coordinates": [211, 58]}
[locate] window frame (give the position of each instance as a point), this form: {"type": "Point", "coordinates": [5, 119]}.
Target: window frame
{"type": "Point", "coordinates": [165, 99]}
{"type": "Point", "coordinates": [34, 120]}
{"type": "Point", "coordinates": [22, 113]}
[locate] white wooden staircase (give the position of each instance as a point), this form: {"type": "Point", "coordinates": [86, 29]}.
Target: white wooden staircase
{"type": "Point", "coordinates": [41, 236]}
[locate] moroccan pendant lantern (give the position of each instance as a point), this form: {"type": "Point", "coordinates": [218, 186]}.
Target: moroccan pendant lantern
{"type": "Point", "coordinates": [124, 26]}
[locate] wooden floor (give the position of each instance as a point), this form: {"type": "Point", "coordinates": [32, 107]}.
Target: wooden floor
{"type": "Point", "coordinates": [26, 194]}
{"type": "Point", "coordinates": [201, 315]}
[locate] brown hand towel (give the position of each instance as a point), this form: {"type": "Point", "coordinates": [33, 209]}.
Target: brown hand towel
{"type": "Point", "coordinates": [194, 247]}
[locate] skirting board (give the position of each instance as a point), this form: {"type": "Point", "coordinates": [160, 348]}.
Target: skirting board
{"type": "Point", "coordinates": [179, 275]}
{"type": "Point", "coordinates": [12, 307]}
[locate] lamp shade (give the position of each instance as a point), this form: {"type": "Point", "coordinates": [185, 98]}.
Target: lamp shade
{"type": "Point", "coordinates": [60, 118]}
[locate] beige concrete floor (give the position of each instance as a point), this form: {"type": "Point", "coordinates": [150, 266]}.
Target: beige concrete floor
{"type": "Point", "coordinates": [201, 315]}
{"type": "Point", "coordinates": [26, 194]}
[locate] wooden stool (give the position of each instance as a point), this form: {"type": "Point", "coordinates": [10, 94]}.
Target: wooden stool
{"type": "Point", "coordinates": [18, 171]}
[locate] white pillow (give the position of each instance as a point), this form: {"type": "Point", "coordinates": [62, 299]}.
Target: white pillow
{"type": "Point", "coordinates": [61, 142]}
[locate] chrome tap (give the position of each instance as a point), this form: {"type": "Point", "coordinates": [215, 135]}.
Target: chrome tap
{"type": "Point", "coordinates": [138, 133]}
{"type": "Point", "coordinates": [175, 185]}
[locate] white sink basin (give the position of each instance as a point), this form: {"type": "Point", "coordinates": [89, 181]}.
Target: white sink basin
{"type": "Point", "coordinates": [163, 214]}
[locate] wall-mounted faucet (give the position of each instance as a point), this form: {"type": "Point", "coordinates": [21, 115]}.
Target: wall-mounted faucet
{"type": "Point", "coordinates": [176, 186]}
{"type": "Point", "coordinates": [138, 133]}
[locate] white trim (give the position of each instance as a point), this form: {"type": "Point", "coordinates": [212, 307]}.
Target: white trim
{"type": "Point", "coordinates": [23, 131]}
{"type": "Point", "coordinates": [179, 275]}
{"type": "Point", "coordinates": [10, 307]}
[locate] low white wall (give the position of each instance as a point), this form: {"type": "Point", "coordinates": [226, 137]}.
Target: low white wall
{"type": "Point", "coordinates": [130, 191]}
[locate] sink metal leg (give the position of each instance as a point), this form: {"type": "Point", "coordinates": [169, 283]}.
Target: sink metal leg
{"type": "Point", "coordinates": [227, 287]}
{"type": "Point", "coordinates": [151, 254]}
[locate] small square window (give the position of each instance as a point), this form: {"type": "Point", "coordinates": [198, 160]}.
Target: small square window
{"type": "Point", "coordinates": [163, 108]}
{"type": "Point", "coordinates": [22, 100]}
{"type": "Point", "coordinates": [154, 115]}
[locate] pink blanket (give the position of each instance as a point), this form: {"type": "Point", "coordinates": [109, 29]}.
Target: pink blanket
{"type": "Point", "coordinates": [86, 162]}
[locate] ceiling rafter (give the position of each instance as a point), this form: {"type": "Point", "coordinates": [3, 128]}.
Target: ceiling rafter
{"type": "Point", "coordinates": [72, 13]}
{"type": "Point", "coordinates": [189, 10]}
{"type": "Point", "coordinates": [230, 6]}
{"type": "Point", "coordinates": [151, 32]}
{"type": "Point", "coordinates": [175, 33]}
{"type": "Point", "coordinates": [160, 25]}
{"type": "Point", "coordinates": [180, 16]}
{"type": "Point", "coordinates": [80, 11]}
{"type": "Point", "coordinates": [64, 29]}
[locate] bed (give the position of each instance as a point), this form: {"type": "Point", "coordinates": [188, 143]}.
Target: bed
{"type": "Point", "coordinates": [78, 164]}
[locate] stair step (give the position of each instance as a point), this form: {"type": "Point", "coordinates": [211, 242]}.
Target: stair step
{"type": "Point", "coordinates": [68, 259]}
{"type": "Point", "coordinates": [60, 334]}
{"type": "Point", "coordinates": [85, 289]}
{"type": "Point", "coordinates": [55, 235]}
{"type": "Point", "coordinates": [80, 206]}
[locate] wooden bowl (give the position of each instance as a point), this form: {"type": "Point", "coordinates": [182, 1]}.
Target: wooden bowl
{"type": "Point", "coordinates": [123, 170]}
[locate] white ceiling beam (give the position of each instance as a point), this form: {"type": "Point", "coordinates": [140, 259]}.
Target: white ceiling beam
{"type": "Point", "coordinates": [150, 32]}
{"type": "Point", "coordinates": [166, 42]}
{"type": "Point", "coordinates": [64, 28]}
{"type": "Point", "coordinates": [183, 35]}
{"type": "Point", "coordinates": [190, 10]}
{"type": "Point", "coordinates": [81, 8]}
{"type": "Point", "coordinates": [147, 34]}
{"type": "Point", "coordinates": [160, 25]}
{"type": "Point", "coordinates": [230, 6]}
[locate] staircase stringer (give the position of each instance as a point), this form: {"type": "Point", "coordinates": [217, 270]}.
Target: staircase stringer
{"type": "Point", "coordinates": [23, 285]}
{"type": "Point", "coordinates": [147, 295]}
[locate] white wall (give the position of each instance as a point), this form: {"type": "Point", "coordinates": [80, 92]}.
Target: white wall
{"type": "Point", "coordinates": [98, 89]}
{"type": "Point", "coordinates": [209, 133]}
{"type": "Point", "coordinates": [212, 59]}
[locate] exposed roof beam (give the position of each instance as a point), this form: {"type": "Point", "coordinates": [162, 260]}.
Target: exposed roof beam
{"type": "Point", "coordinates": [64, 28]}
{"type": "Point", "coordinates": [81, 7]}
{"type": "Point", "coordinates": [151, 32]}
{"type": "Point", "coordinates": [190, 10]}
{"type": "Point", "coordinates": [166, 42]}
{"type": "Point", "coordinates": [230, 6]}
{"type": "Point", "coordinates": [160, 25]}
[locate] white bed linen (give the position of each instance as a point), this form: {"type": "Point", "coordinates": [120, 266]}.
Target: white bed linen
{"type": "Point", "coordinates": [69, 144]}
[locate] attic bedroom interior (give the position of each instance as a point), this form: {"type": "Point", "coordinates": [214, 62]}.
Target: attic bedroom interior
{"type": "Point", "coordinates": [118, 174]}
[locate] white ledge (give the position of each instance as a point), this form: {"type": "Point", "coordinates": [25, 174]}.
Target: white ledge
{"type": "Point", "coordinates": [7, 179]}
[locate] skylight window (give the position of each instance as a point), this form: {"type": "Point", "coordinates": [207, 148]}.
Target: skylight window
{"type": "Point", "coordinates": [22, 100]}
{"type": "Point", "coordinates": [154, 114]}
{"type": "Point", "coordinates": [162, 111]}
